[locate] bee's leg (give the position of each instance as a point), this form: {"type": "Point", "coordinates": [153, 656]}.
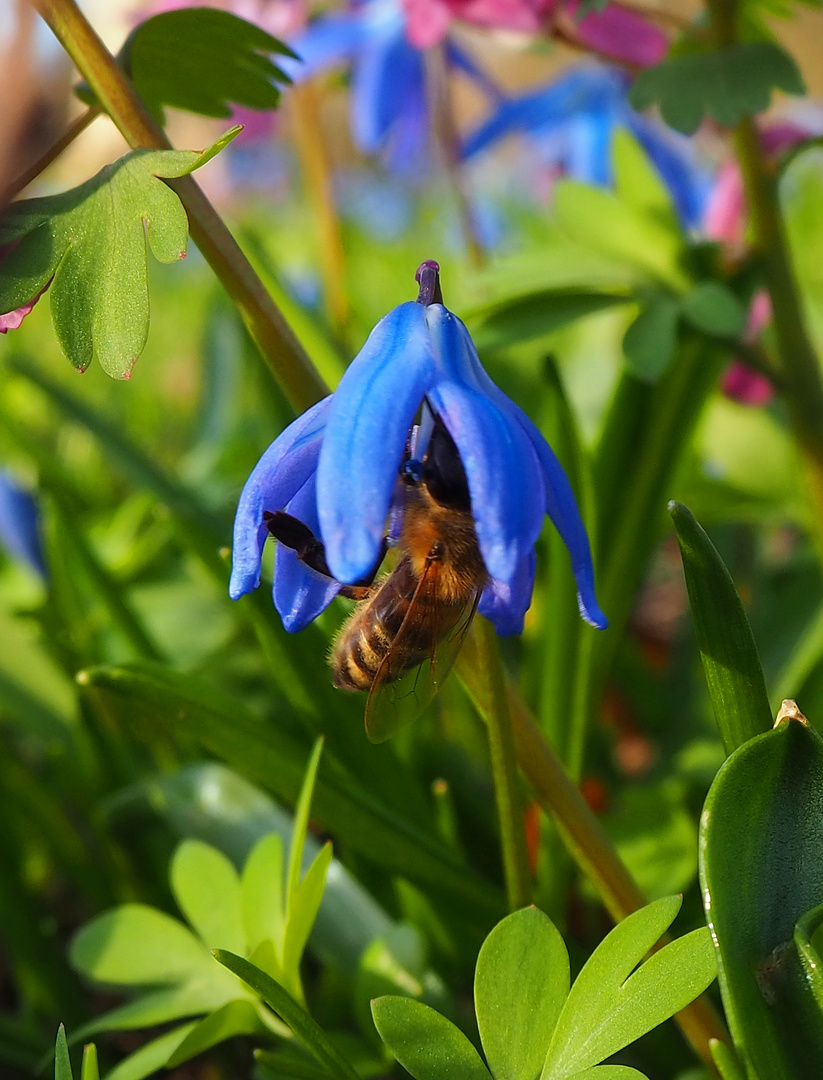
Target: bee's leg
{"type": "Point", "coordinates": [310, 550]}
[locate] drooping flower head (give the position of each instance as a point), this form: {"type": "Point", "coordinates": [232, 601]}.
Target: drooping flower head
{"type": "Point", "coordinates": [336, 468]}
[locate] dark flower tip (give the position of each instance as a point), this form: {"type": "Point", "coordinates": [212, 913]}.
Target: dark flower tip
{"type": "Point", "coordinates": [428, 278]}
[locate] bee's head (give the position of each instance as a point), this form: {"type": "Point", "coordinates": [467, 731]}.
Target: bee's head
{"type": "Point", "coordinates": [443, 472]}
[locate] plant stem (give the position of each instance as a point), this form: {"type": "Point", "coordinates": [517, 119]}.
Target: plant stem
{"type": "Point", "coordinates": [490, 685]}
{"type": "Point", "coordinates": [797, 355]}
{"type": "Point", "coordinates": [280, 348]}
{"type": "Point", "coordinates": [314, 160]}
{"type": "Point", "coordinates": [594, 854]}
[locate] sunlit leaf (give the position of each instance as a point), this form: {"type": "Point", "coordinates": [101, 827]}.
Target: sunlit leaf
{"type": "Point", "coordinates": [234, 1018]}
{"type": "Point", "coordinates": [207, 890]}
{"type": "Point", "coordinates": [261, 889]}
{"type": "Point", "coordinates": [62, 1061]}
{"type": "Point", "coordinates": [425, 1043]}
{"type": "Point", "coordinates": [520, 984]}
{"type": "Point", "coordinates": [92, 242]}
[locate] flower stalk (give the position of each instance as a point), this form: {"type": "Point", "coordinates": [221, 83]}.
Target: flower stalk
{"type": "Point", "coordinates": [280, 348]}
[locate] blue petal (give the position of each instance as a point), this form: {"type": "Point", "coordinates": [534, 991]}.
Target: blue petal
{"type": "Point", "coordinates": [501, 466]}
{"type": "Point", "coordinates": [505, 603]}
{"type": "Point", "coordinates": [366, 431]}
{"type": "Point", "coordinates": [19, 525]}
{"type": "Point", "coordinates": [300, 593]}
{"type": "Point", "coordinates": [561, 507]}
{"type": "Point", "coordinates": [677, 164]}
{"type": "Point", "coordinates": [389, 74]}
{"type": "Point", "coordinates": [278, 475]}
{"type": "Point", "coordinates": [335, 39]}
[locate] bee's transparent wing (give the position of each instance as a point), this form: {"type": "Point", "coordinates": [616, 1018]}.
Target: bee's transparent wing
{"type": "Point", "coordinates": [397, 698]}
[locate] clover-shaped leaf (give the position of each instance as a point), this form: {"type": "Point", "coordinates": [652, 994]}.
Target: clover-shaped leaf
{"type": "Point", "coordinates": [90, 242]}
{"type": "Point", "coordinates": [726, 84]}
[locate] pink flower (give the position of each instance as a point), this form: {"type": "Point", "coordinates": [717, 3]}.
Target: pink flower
{"type": "Point", "coordinates": [740, 382]}
{"type": "Point", "coordinates": [613, 32]}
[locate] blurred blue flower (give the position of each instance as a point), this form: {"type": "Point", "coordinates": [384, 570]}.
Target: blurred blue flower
{"type": "Point", "coordinates": [388, 101]}
{"type": "Point", "coordinates": [19, 524]}
{"type": "Point", "coordinates": [336, 468]}
{"type": "Point", "coordinates": [570, 123]}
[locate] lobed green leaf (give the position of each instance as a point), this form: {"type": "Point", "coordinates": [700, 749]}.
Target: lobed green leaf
{"type": "Point", "coordinates": [725, 84]}
{"type": "Point", "coordinates": [649, 342]}
{"type": "Point", "coordinates": [90, 242]}
{"type": "Point", "coordinates": [261, 891]}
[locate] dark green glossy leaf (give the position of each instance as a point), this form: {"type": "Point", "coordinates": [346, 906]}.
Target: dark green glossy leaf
{"type": "Point", "coordinates": [425, 1043]}
{"type": "Point", "coordinates": [713, 308]}
{"type": "Point", "coordinates": [727, 648]}
{"type": "Point", "coordinates": [808, 940]}
{"type": "Point", "coordinates": [528, 317]}
{"type": "Point", "coordinates": [613, 1001]}
{"type": "Point", "coordinates": [761, 866]}
{"type": "Point", "coordinates": [310, 1034]}
{"type": "Point", "coordinates": [520, 984]}
{"type": "Point", "coordinates": [649, 343]}
{"type": "Point", "coordinates": [92, 242]}
{"type": "Point", "coordinates": [726, 84]}
{"type": "Point", "coordinates": [204, 61]}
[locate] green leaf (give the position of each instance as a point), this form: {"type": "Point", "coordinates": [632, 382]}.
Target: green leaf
{"type": "Point", "coordinates": [527, 317]}
{"type": "Point", "coordinates": [211, 990]}
{"type": "Point", "coordinates": [726, 84]}
{"type": "Point", "coordinates": [609, 1072]}
{"type": "Point", "coordinates": [62, 1061]}
{"type": "Point", "coordinates": [300, 826]}
{"type": "Point", "coordinates": [207, 890]}
{"type": "Point", "coordinates": [304, 910]}
{"type": "Point", "coordinates": [650, 341]}
{"type": "Point", "coordinates": [713, 308]}
{"type": "Point", "coordinates": [727, 648]}
{"type": "Point", "coordinates": [638, 183]}
{"type": "Point", "coordinates": [151, 1056]}
{"type": "Point", "coordinates": [611, 1004]}
{"type": "Point", "coordinates": [310, 1034]}
{"type": "Point", "coordinates": [239, 1017]}
{"type": "Point", "coordinates": [137, 945]}
{"type": "Point", "coordinates": [261, 891]}
{"type": "Point", "coordinates": [520, 984]}
{"type": "Point", "coordinates": [425, 1043]}
{"type": "Point", "coordinates": [204, 61]}
{"type": "Point", "coordinates": [761, 870]}
{"type": "Point", "coordinates": [92, 242]}
{"type": "Point", "coordinates": [621, 230]}
{"type": "Point", "coordinates": [89, 1069]}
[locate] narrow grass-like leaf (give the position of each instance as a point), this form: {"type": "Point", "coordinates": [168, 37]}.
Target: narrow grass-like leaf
{"type": "Point", "coordinates": [62, 1061]}
{"type": "Point", "coordinates": [520, 984]}
{"type": "Point", "coordinates": [207, 890]}
{"type": "Point", "coordinates": [611, 1004]}
{"type": "Point", "coordinates": [137, 945]}
{"type": "Point", "coordinates": [149, 695]}
{"type": "Point", "coordinates": [761, 867]}
{"type": "Point", "coordinates": [89, 1069]}
{"type": "Point", "coordinates": [202, 995]}
{"type": "Point", "coordinates": [300, 826]}
{"type": "Point", "coordinates": [310, 1034]}
{"type": "Point", "coordinates": [730, 661]}
{"type": "Point", "coordinates": [303, 911]}
{"type": "Point", "coordinates": [726, 1061]}
{"type": "Point", "coordinates": [425, 1043]}
{"type": "Point", "coordinates": [808, 939]}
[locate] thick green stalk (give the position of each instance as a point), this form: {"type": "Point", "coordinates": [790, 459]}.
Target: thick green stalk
{"type": "Point", "coordinates": [280, 348]}
{"type": "Point", "coordinates": [799, 363]}
{"type": "Point", "coordinates": [492, 686]}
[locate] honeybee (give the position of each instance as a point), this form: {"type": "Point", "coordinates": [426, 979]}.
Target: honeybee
{"type": "Point", "coordinates": [401, 640]}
